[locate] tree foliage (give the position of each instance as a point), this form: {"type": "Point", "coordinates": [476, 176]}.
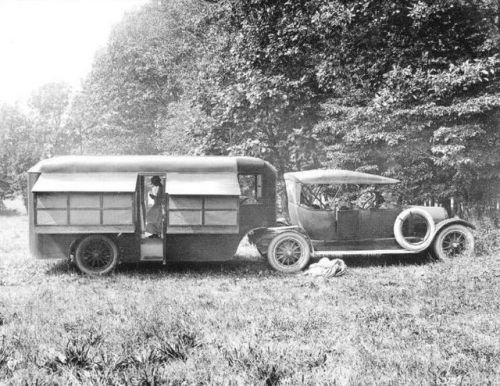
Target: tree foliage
{"type": "Point", "coordinates": [137, 91]}
{"type": "Point", "coordinates": [427, 109]}
{"type": "Point", "coordinates": [31, 134]}
{"type": "Point", "coordinates": [19, 148]}
{"type": "Point", "coordinates": [261, 94]}
{"type": "Point", "coordinates": [49, 106]}
{"type": "Point", "coordinates": [404, 88]}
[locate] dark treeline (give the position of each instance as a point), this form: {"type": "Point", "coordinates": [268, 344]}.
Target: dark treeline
{"type": "Point", "coordinates": [408, 89]}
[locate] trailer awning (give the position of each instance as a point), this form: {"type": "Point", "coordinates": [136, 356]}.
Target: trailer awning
{"type": "Point", "coordinates": [86, 182]}
{"type": "Point", "coordinates": [202, 184]}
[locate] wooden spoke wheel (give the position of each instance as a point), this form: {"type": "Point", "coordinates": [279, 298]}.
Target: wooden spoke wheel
{"type": "Point", "coordinates": [453, 241]}
{"type": "Point", "coordinates": [96, 255]}
{"type": "Point", "coordinates": [289, 252]}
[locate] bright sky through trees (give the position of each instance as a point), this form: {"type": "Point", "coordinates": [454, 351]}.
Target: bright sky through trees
{"type": "Point", "coordinates": [52, 40]}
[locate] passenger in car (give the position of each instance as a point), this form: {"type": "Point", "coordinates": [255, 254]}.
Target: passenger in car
{"type": "Point", "coordinates": [366, 199]}
{"type": "Point", "coordinates": [389, 201]}
{"type": "Point", "coordinates": [344, 204]}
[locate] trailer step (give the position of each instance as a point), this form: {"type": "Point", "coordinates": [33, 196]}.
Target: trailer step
{"type": "Point", "coordinates": [151, 249]}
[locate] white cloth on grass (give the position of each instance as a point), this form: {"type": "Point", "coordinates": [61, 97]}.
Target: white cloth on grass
{"type": "Point", "coordinates": [327, 268]}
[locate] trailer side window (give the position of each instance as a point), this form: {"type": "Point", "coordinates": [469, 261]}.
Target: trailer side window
{"type": "Point", "coordinates": [84, 209]}
{"type": "Point", "coordinates": [221, 211]}
{"type": "Point", "coordinates": [52, 208]}
{"type": "Point", "coordinates": [202, 211]}
{"type": "Point", "coordinates": [185, 210]}
{"type": "Point", "coordinates": [251, 188]}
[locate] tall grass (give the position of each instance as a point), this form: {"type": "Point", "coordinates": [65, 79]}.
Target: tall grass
{"type": "Point", "coordinates": [398, 320]}
{"type": "Point", "coordinates": [486, 236]}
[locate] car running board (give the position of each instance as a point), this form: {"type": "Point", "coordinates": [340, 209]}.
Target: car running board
{"type": "Point", "coordinates": [372, 252]}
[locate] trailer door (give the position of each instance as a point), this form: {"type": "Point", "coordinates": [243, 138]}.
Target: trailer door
{"type": "Point", "coordinates": [202, 216]}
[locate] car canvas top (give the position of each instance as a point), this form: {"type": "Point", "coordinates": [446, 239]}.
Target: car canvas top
{"type": "Point", "coordinates": [337, 176]}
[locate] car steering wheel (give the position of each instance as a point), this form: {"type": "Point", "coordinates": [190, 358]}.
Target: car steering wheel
{"type": "Point", "coordinates": [369, 201]}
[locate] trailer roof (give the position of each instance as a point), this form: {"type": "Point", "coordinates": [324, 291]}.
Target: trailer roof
{"type": "Point", "coordinates": [147, 164]}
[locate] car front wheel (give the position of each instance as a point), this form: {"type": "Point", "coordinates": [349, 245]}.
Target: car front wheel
{"type": "Point", "coordinates": [453, 241]}
{"type": "Point", "coordinates": [96, 255]}
{"type": "Point", "coordinates": [289, 252]}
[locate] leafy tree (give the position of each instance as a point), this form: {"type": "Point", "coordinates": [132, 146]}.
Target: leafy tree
{"type": "Point", "coordinates": [260, 91]}
{"type": "Point", "coordinates": [405, 88]}
{"type": "Point", "coordinates": [423, 105]}
{"type": "Point", "coordinates": [140, 84]}
{"type": "Point", "coordinates": [29, 135]}
{"type": "Point", "coordinates": [19, 147]}
{"type": "Point", "coordinates": [49, 107]}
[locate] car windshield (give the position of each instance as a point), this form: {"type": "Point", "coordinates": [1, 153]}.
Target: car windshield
{"type": "Point", "coordinates": [347, 196]}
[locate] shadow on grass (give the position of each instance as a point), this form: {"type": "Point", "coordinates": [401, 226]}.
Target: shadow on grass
{"type": "Point", "coordinates": [388, 260]}
{"type": "Point", "coordinates": [62, 267]}
{"type": "Point", "coordinates": [225, 268]}
{"type": "Point", "coordinates": [236, 267]}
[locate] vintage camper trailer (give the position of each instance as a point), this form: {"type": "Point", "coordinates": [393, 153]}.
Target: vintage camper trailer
{"type": "Point", "coordinates": [94, 208]}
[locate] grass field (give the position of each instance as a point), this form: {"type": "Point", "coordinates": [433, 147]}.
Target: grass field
{"type": "Point", "coordinates": [388, 321]}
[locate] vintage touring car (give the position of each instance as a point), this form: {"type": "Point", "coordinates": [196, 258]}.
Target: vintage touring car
{"type": "Point", "coordinates": [326, 223]}
{"type": "Point", "coordinates": [94, 209]}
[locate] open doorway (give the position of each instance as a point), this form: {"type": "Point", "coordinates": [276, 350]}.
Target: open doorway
{"type": "Point", "coordinates": [151, 214]}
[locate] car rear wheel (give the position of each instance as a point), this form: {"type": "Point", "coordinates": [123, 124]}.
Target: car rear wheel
{"type": "Point", "coordinates": [289, 252]}
{"type": "Point", "coordinates": [96, 255]}
{"type": "Point", "coordinates": [453, 241]}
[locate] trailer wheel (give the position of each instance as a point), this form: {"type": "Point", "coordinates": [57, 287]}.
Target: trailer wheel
{"type": "Point", "coordinates": [453, 241]}
{"type": "Point", "coordinates": [288, 252]}
{"type": "Point", "coordinates": [96, 255]}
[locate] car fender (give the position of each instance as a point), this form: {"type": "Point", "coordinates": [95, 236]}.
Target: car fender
{"type": "Point", "coordinates": [261, 237]}
{"type": "Point", "coordinates": [454, 220]}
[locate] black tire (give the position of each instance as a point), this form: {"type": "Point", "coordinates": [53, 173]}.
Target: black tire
{"type": "Point", "coordinates": [289, 252]}
{"type": "Point", "coordinates": [96, 255]}
{"type": "Point", "coordinates": [452, 241]}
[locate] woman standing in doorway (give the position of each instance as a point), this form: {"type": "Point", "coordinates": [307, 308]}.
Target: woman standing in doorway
{"type": "Point", "coordinates": [154, 215]}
